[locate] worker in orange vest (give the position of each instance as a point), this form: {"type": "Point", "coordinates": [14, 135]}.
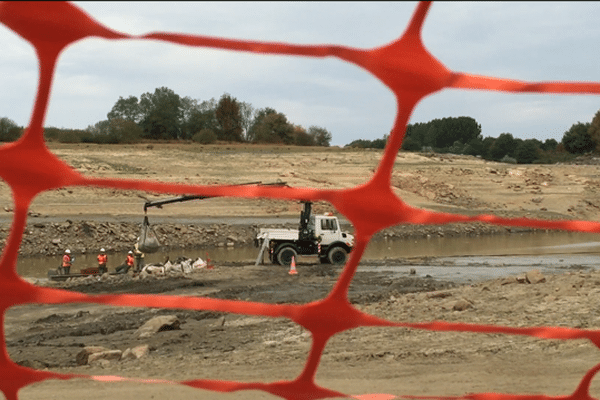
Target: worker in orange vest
{"type": "Point", "coordinates": [67, 260]}
{"type": "Point", "coordinates": [130, 260]}
{"type": "Point", "coordinates": [102, 260]}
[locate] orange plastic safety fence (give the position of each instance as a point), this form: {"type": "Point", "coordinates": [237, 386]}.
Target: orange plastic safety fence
{"type": "Point", "coordinates": [404, 66]}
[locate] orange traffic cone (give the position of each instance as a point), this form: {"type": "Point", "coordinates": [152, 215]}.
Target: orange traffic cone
{"type": "Point", "coordinates": [208, 264]}
{"type": "Point", "coordinates": [293, 267]}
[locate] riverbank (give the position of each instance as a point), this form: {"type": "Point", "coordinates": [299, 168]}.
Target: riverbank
{"type": "Point", "coordinates": [88, 236]}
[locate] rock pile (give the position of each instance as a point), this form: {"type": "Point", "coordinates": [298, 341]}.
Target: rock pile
{"type": "Point", "coordinates": [98, 355]}
{"type": "Point", "coordinates": [50, 239]}
{"type": "Point", "coordinates": [102, 356]}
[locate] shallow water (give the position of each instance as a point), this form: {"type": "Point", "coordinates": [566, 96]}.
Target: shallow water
{"type": "Point", "coordinates": [457, 258]}
{"type": "Point", "coordinates": [465, 269]}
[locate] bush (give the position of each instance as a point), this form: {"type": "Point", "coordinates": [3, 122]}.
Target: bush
{"type": "Point", "coordinates": [508, 159]}
{"type": "Point", "coordinates": [12, 134]}
{"type": "Point", "coordinates": [205, 136]}
{"type": "Point", "coordinates": [51, 134]}
{"type": "Point", "coordinates": [69, 136]}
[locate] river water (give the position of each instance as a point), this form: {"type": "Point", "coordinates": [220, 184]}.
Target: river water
{"type": "Point", "coordinates": [456, 258]}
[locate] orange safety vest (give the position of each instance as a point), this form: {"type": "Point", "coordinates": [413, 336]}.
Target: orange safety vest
{"type": "Point", "coordinates": [102, 258]}
{"type": "Point", "coordinates": [129, 260]}
{"type": "Point", "coordinates": [66, 260]}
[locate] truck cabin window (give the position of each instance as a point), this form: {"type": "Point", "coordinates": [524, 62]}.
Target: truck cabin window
{"type": "Point", "coordinates": [328, 225]}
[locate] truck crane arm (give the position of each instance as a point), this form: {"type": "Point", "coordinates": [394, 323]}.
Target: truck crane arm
{"type": "Point", "coordinates": [160, 203]}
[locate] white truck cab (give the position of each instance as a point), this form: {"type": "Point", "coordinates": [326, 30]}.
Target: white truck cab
{"type": "Point", "coordinates": [318, 235]}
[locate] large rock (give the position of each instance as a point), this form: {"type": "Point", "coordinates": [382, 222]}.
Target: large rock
{"type": "Point", "coordinates": [101, 357]}
{"type": "Point", "coordinates": [535, 276]}
{"type": "Point", "coordinates": [82, 357]}
{"type": "Point", "coordinates": [158, 324]}
{"type": "Point", "coordinates": [136, 352]}
{"type": "Point", "coordinates": [462, 305]}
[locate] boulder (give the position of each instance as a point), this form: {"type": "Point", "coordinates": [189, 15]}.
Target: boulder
{"type": "Point", "coordinates": [102, 356]}
{"type": "Point", "coordinates": [535, 276]}
{"type": "Point", "coordinates": [82, 357]}
{"type": "Point", "coordinates": [158, 324]}
{"type": "Point", "coordinates": [136, 352]}
{"type": "Point", "coordinates": [462, 305]}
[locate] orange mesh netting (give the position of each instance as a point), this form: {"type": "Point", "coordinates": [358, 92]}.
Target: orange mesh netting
{"type": "Point", "coordinates": [404, 66]}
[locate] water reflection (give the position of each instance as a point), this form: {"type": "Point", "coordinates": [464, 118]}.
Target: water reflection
{"type": "Point", "coordinates": [492, 245]}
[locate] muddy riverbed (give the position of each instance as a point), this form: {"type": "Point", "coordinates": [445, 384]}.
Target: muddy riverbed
{"type": "Point", "coordinates": [215, 345]}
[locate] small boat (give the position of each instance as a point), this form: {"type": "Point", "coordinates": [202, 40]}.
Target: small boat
{"type": "Point", "coordinates": [54, 275]}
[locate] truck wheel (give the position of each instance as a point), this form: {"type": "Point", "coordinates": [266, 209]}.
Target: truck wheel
{"type": "Point", "coordinates": [284, 256]}
{"type": "Point", "coordinates": [337, 255]}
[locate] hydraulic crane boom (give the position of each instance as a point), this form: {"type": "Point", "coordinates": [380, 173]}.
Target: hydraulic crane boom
{"type": "Point", "coordinates": [160, 203]}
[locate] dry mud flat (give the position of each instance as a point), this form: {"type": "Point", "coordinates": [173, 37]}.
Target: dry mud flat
{"type": "Point", "coordinates": [398, 361]}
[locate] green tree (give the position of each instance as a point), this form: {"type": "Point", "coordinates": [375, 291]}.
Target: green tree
{"type": "Point", "coordinates": [450, 130]}
{"type": "Point", "coordinates": [475, 147]}
{"type": "Point", "coordinates": [9, 130]}
{"type": "Point", "coordinates": [486, 147]}
{"type": "Point", "coordinates": [198, 116]}
{"type": "Point", "coordinates": [414, 138]}
{"type": "Point", "coordinates": [379, 143]}
{"type": "Point", "coordinates": [275, 128]}
{"type": "Point", "coordinates": [527, 151]}
{"type": "Point", "coordinates": [256, 126]}
{"type": "Point", "coordinates": [577, 139]}
{"type": "Point", "coordinates": [229, 117]}
{"type": "Point", "coordinates": [321, 136]}
{"type": "Point", "coordinates": [301, 137]}
{"type": "Point", "coordinates": [594, 131]}
{"type": "Point", "coordinates": [125, 131]}
{"type": "Point", "coordinates": [411, 144]}
{"type": "Point", "coordinates": [442, 133]}
{"type": "Point", "coordinates": [504, 145]}
{"type": "Point", "coordinates": [99, 132]}
{"type": "Point", "coordinates": [549, 145]}
{"type": "Point", "coordinates": [162, 114]}
{"type": "Point", "coordinates": [128, 109]}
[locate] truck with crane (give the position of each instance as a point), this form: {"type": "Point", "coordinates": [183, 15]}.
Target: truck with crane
{"type": "Point", "coordinates": [316, 235]}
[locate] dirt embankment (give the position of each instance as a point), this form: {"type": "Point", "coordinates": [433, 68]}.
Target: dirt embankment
{"type": "Point", "coordinates": [85, 219]}
{"type": "Point", "coordinates": [81, 237]}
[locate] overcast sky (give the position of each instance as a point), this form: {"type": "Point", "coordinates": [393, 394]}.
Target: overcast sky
{"type": "Point", "coordinates": [536, 41]}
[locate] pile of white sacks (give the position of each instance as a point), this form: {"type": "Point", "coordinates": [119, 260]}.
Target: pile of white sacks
{"type": "Point", "coordinates": [182, 265]}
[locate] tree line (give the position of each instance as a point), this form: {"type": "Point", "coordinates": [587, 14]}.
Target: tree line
{"type": "Point", "coordinates": [165, 115]}
{"type": "Point", "coordinates": [462, 135]}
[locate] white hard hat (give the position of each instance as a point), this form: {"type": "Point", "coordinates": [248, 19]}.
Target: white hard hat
{"type": "Point", "coordinates": [67, 251]}
{"type": "Point", "coordinates": [102, 250]}
{"type": "Point", "coordinates": [130, 252]}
